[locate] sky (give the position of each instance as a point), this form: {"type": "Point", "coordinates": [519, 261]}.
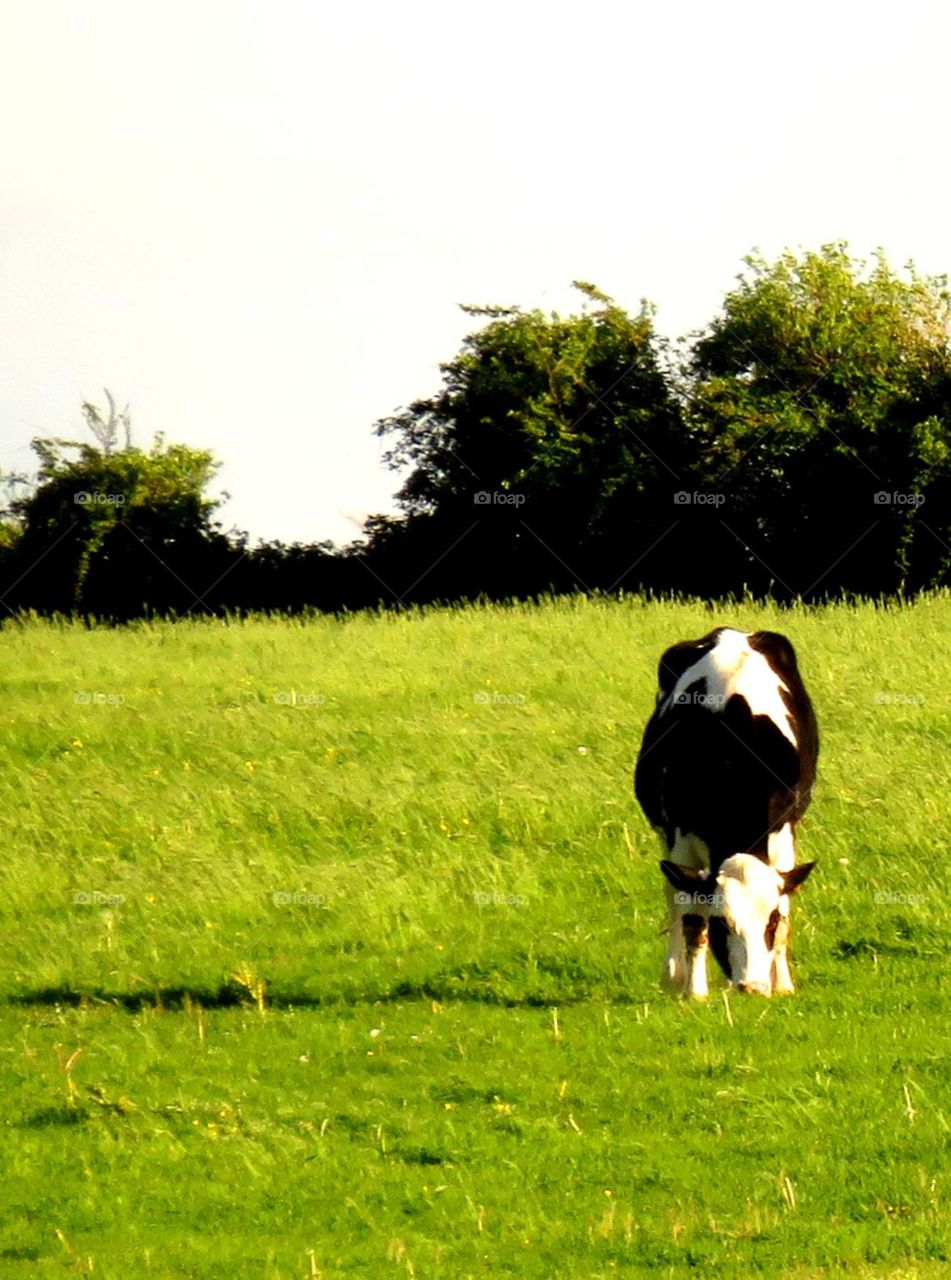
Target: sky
{"type": "Point", "coordinates": [255, 222]}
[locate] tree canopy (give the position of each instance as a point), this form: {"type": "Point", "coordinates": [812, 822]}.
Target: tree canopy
{"type": "Point", "coordinates": [116, 531]}
{"type": "Point", "coordinates": [820, 403]}
{"type": "Point", "coordinates": [799, 446]}
{"type": "Point", "coordinates": [548, 434]}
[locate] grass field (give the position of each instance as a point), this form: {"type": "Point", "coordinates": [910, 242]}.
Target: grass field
{"type": "Point", "coordinates": [330, 948]}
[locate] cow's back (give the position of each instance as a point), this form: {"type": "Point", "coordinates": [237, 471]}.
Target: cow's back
{"type": "Point", "coordinates": [729, 753]}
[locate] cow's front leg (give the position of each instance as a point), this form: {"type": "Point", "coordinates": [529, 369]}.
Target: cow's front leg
{"type": "Point", "coordinates": [695, 948]}
{"type": "Point", "coordinates": [779, 970]}
{"type": "Point", "coordinates": [675, 966]}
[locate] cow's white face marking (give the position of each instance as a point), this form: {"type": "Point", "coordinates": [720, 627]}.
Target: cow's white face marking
{"type": "Point", "coordinates": [747, 911]}
{"type": "Point", "coordinates": [732, 667]}
{"type": "Point", "coordinates": [748, 892]}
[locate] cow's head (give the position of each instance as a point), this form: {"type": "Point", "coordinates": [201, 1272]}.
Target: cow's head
{"type": "Point", "coordinates": [745, 913]}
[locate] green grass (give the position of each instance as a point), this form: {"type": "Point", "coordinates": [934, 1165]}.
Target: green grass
{"type": "Point", "coordinates": [449, 1057]}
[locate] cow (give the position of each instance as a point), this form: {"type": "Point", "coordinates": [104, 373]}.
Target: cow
{"type": "Point", "coordinates": [725, 772]}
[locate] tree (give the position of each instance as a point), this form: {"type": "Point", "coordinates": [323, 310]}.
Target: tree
{"type": "Point", "coordinates": [820, 411]}
{"type": "Point", "coordinates": [546, 449]}
{"type": "Point", "coordinates": [116, 531]}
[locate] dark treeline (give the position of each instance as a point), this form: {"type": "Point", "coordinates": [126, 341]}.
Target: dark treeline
{"type": "Point", "coordinates": [800, 446]}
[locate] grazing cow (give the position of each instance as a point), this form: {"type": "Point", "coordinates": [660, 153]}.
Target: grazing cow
{"type": "Point", "coordinates": [725, 772]}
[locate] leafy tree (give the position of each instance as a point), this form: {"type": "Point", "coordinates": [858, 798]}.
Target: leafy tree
{"type": "Point", "coordinates": [550, 439]}
{"type": "Point", "coordinates": [113, 531]}
{"type": "Point", "coordinates": [820, 391]}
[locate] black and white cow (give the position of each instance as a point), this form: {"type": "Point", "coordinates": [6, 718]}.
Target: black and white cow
{"type": "Point", "coordinates": [725, 772]}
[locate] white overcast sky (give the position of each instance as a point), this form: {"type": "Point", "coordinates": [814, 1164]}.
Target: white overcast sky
{"type": "Point", "coordinates": [255, 221]}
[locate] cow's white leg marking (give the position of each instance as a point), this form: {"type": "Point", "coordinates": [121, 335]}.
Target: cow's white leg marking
{"type": "Point", "coordinates": [782, 855]}
{"type": "Point", "coordinates": [675, 966]}
{"type": "Point", "coordinates": [696, 948]}
{"type": "Point", "coordinates": [781, 848]}
{"type": "Point", "coordinates": [781, 979]}
{"type": "Point", "coordinates": [779, 974]}
{"type": "Point", "coordinates": [684, 969]}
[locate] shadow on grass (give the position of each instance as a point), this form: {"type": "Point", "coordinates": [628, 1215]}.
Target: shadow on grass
{"type": "Point", "coordinates": [55, 1117]}
{"type": "Point", "coordinates": [470, 985]}
{"type": "Point", "coordinates": [851, 949]}
{"type": "Point", "coordinates": [231, 995]}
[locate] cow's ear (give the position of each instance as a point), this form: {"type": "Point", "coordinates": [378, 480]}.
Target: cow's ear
{"type": "Point", "coordinates": [685, 878]}
{"type": "Point", "coordinates": [793, 880]}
